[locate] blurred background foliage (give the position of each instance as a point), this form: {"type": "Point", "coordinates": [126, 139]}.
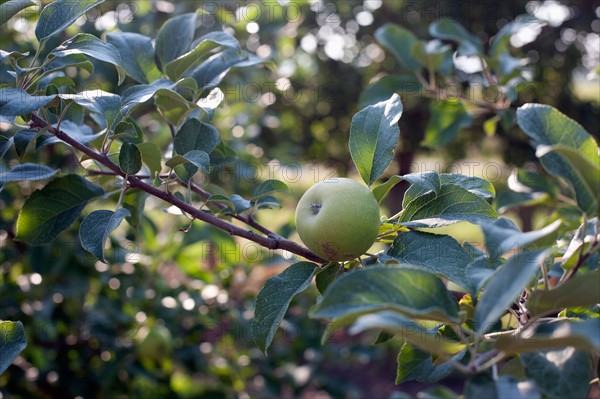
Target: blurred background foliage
{"type": "Point", "coordinates": [169, 316]}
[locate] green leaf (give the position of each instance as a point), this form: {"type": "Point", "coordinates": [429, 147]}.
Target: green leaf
{"type": "Point", "coordinates": [268, 187]}
{"type": "Point", "coordinates": [151, 156]}
{"type": "Point", "coordinates": [240, 203]}
{"type": "Point", "coordinates": [79, 61]}
{"type": "Point", "coordinates": [327, 275]}
{"type": "Point", "coordinates": [198, 158]}
{"type": "Point", "coordinates": [412, 363]}
{"type": "Point", "coordinates": [27, 171]}
{"type": "Point", "coordinates": [175, 37]}
{"type": "Point", "coordinates": [99, 101]}
{"type": "Point", "coordinates": [15, 101]}
{"type": "Point", "coordinates": [503, 235]}
{"type": "Point", "coordinates": [136, 95]}
{"type": "Point", "coordinates": [137, 55]}
{"type": "Point", "coordinates": [448, 117]}
{"type": "Point", "coordinates": [434, 55]}
{"type": "Point", "coordinates": [473, 184]}
{"type": "Point", "coordinates": [584, 236]}
{"type": "Point", "coordinates": [97, 226]}
{"type": "Point", "coordinates": [581, 290]}
{"type": "Point", "coordinates": [172, 106]}
{"type": "Point", "coordinates": [588, 172]}
{"type": "Point", "coordinates": [59, 14]}
{"type": "Point", "coordinates": [212, 71]}
{"type": "Point", "coordinates": [5, 145]}
{"type": "Point", "coordinates": [417, 365]}
{"type": "Point", "coordinates": [504, 387]}
{"type": "Point", "coordinates": [176, 68]}
{"type": "Point", "coordinates": [49, 211]}
{"type": "Point", "coordinates": [130, 158]}
{"type": "Point", "coordinates": [448, 29]}
{"type": "Point", "coordinates": [407, 329]}
{"type": "Point", "coordinates": [547, 126]}
{"type": "Point", "coordinates": [274, 299]}
{"type": "Point", "coordinates": [123, 129]}
{"type": "Point", "coordinates": [386, 86]}
{"type": "Point", "coordinates": [451, 204]}
{"type": "Point", "coordinates": [9, 10]}
{"type": "Point", "coordinates": [439, 254]}
{"type": "Point", "coordinates": [374, 135]}
{"type": "Point", "coordinates": [551, 335]}
{"type": "Point", "coordinates": [196, 135]}
{"type": "Point", "coordinates": [409, 291]}
{"type": "Point", "coordinates": [380, 191]}
{"type": "Point", "coordinates": [90, 45]}
{"type": "Point", "coordinates": [12, 342]}
{"type": "Point", "coordinates": [399, 42]}
{"type": "Point", "coordinates": [505, 286]}
{"type": "Point", "coordinates": [560, 374]}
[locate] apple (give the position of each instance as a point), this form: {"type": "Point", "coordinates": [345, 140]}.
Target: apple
{"type": "Point", "coordinates": [155, 343]}
{"type": "Point", "coordinates": [338, 219]}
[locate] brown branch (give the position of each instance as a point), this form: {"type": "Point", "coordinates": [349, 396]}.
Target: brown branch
{"type": "Point", "coordinates": [267, 242]}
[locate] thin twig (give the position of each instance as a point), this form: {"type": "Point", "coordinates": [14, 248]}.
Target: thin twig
{"type": "Point", "coordinates": [135, 182]}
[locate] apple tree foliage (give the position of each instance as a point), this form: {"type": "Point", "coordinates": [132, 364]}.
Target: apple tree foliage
{"type": "Point", "coordinates": [524, 299]}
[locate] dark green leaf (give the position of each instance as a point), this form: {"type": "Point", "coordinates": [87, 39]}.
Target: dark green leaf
{"type": "Point", "coordinates": [374, 135]}
{"type": "Point", "coordinates": [503, 235]}
{"type": "Point", "coordinates": [130, 158]}
{"type": "Point", "coordinates": [266, 202]}
{"type": "Point", "coordinates": [136, 95]}
{"type": "Point", "coordinates": [275, 297]}
{"type": "Point", "coordinates": [27, 171]}
{"type": "Point", "coordinates": [49, 211]}
{"type": "Point", "coordinates": [59, 14]}
{"type": "Point", "coordinates": [410, 291]}
{"type": "Point", "coordinates": [584, 237]}
{"type": "Point", "coordinates": [15, 101]}
{"type": "Point", "coordinates": [97, 226]}
{"type": "Point", "coordinates": [484, 386]}
{"type": "Point", "coordinates": [434, 55]}
{"type": "Point", "coordinates": [195, 135]}
{"type": "Point", "coordinates": [560, 374]}
{"type": "Point", "coordinates": [124, 129]}
{"type": "Point", "coordinates": [587, 171]}
{"type": "Point", "coordinates": [448, 117]}
{"type": "Point", "coordinates": [412, 363]}
{"type": "Point", "coordinates": [137, 55]}
{"type": "Point", "coordinates": [408, 330]}
{"type": "Point", "coordinates": [240, 203]}
{"type": "Point", "coordinates": [581, 290]}
{"type": "Point", "coordinates": [448, 29]}
{"type": "Point", "coordinates": [12, 342]}
{"type": "Point", "coordinates": [505, 286]}
{"type": "Point", "coordinates": [91, 46]}
{"type": "Point", "coordinates": [439, 254]}
{"type": "Point", "coordinates": [268, 187]}
{"type": "Point", "coordinates": [151, 156]}
{"type": "Point", "coordinates": [473, 184]}
{"type": "Point", "coordinates": [556, 334]}
{"type": "Point", "coordinates": [198, 158]}
{"type": "Point", "coordinates": [5, 144]}
{"type": "Point", "coordinates": [79, 61]}
{"type": "Point", "coordinates": [175, 37]}
{"type": "Point", "coordinates": [9, 10]}
{"type": "Point", "coordinates": [172, 106]}
{"type": "Point", "coordinates": [327, 275]}
{"type": "Point", "coordinates": [99, 101]}
{"type": "Point", "coordinates": [176, 68]}
{"type": "Point", "coordinates": [210, 73]}
{"type": "Point", "coordinates": [399, 42]}
{"type": "Point", "coordinates": [547, 126]}
{"type": "Point", "coordinates": [451, 204]}
{"type": "Point", "coordinates": [385, 87]}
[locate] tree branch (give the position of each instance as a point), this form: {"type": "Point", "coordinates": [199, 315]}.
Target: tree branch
{"type": "Point", "coordinates": [270, 242]}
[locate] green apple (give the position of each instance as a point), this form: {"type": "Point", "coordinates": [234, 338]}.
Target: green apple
{"type": "Point", "coordinates": [155, 343]}
{"type": "Point", "coordinates": [338, 219]}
